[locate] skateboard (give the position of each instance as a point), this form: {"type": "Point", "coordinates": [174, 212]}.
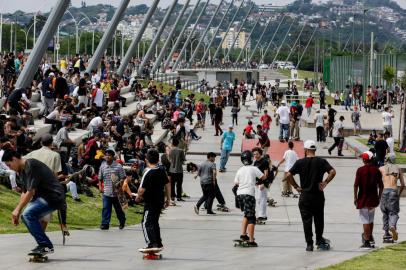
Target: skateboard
{"type": "Point", "coordinates": [37, 257]}
{"type": "Point", "coordinates": [151, 253]}
{"type": "Point", "coordinates": [118, 188]}
{"type": "Point", "coordinates": [260, 222]}
{"type": "Point", "coordinates": [240, 243]}
{"type": "Point", "coordinates": [64, 233]}
{"type": "Point", "coordinates": [223, 209]}
{"type": "Point", "coordinates": [272, 203]}
{"type": "Point", "coordinates": [388, 240]}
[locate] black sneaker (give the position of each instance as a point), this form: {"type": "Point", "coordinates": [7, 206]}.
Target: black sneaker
{"type": "Point", "coordinates": [252, 244]}
{"type": "Point", "coordinates": [121, 226]}
{"type": "Point", "coordinates": [104, 227]}
{"type": "Point", "coordinates": [43, 250]}
{"type": "Point", "coordinates": [244, 237]}
{"type": "Point", "coordinates": [211, 213]}
{"type": "Point", "coordinates": [180, 200]}
{"type": "Point", "coordinates": [366, 245]}
{"type": "Point", "coordinates": [309, 247]}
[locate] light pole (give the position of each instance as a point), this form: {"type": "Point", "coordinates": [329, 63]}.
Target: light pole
{"type": "Point", "coordinates": [26, 38]}
{"type": "Point", "coordinates": [1, 32]}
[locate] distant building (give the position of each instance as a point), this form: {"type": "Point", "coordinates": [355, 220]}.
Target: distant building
{"type": "Point", "coordinates": [228, 41]}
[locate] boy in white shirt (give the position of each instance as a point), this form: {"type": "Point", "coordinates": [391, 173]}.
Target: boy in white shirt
{"type": "Point", "coordinates": [246, 179]}
{"type": "Point", "coordinates": [289, 158]}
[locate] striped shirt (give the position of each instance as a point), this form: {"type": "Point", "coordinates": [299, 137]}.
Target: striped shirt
{"type": "Point", "coordinates": [106, 173]}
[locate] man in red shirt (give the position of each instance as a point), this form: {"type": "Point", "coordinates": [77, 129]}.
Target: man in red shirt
{"type": "Point", "coordinates": [266, 121]}
{"type": "Point", "coordinates": [309, 105]}
{"type": "Point", "coordinates": [368, 180]}
{"type": "Point", "coordinates": [247, 131]}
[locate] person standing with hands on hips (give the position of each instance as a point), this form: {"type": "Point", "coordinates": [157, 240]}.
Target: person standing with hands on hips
{"type": "Point", "coordinates": [311, 170]}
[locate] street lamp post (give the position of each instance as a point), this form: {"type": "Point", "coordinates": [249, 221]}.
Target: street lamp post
{"type": "Point", "coordinates": [1, 32]}
{"type": "Point", "coordinates": [26, 38]}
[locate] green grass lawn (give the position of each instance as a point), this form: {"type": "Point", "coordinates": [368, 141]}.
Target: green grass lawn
{"type": "Point", "coordinates": [302, 74]}
{"type": "Point", "coordinates": [400, 157]}
{"type": "Point", "coordinates": [81, 215]}
{"type": "Point", "coordinates": [392, 257]}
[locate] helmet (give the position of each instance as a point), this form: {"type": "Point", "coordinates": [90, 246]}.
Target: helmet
{"type": "Point", "coordinates": [246, 157]}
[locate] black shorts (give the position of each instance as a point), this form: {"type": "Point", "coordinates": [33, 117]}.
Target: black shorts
{"type": "Point", "coordinates": [199, 117]}
{"type": "Point", "coordinates": [247, 204]}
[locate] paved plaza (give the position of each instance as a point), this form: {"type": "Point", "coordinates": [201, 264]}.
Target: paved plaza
{"type": "Point", "coordinates": [205, 242]}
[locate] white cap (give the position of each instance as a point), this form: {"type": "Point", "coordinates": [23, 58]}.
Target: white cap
{"type": "Point", "coordinates": [367, 155]}
{"type": "Point", "coordinates": [230, 126]}
{"type": "Point", "coordinates": [309, 144]}
{"type": "Point", "coordinates": [52, 74]}
{"type": "Point", "coordinates": [283, 102]}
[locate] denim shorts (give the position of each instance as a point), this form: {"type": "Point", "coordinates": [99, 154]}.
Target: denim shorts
{"type": "Point", "coordinates": [367, 215]}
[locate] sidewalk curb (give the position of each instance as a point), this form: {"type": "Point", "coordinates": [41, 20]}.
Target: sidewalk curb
{"type": "Point", "coordinates": [238, 154]}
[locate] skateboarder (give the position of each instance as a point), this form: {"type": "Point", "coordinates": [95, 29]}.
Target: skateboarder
{"type": "Point", "coordinates": [42, 194]}
{"type": "Point", "coordinates": [289, 158]}
{"type": "Point", "coordinates": [366, 198]}
{"type": "Point", "coordinates": [311, 202]}
{"type": "Point", "coordinates": [154, 188]}
{"type": "Point", "coordinates": [245, 179]}
{"type": "Point", "coordinates": [390, 198]}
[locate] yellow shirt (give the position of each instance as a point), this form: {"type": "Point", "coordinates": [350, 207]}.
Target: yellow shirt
{"type": "Point", "coordinates": [63, 64]}
{"type": "Point", "coordinates": [106, 87]}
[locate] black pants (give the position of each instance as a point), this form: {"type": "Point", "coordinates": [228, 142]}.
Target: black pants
{"type": "Point", "coordinates": [320, 134]}
{"type": "Point", "coordinates": [235, 119]}
{"type": "Point", "coordinates": [217, 127]}
{"type": "Point", "coordinates": [312, 208]}
{"type": "Point", "coordinates": [219, 195]}
{"type": "Point", "coordinates": [338, 141]}
{"type": "Point", "coordinates": [56, 124]}
{"type": "Point", "coordinates": [150, 227]}
{"type": "Point", "coordinates": [208, 197]}
{"type": "Point", "coordinates": [176, 178]}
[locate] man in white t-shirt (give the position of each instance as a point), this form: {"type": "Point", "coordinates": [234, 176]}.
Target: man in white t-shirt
{"type": "Point", "coordinates": [387, 116]}
{"type": "Point", "coordinates": [95, 124]}
{"type": "Point", "coordinates": [98, 96]}
{"type": "Point", "coordinates": [338, 135]}
{"type": "Point", "coordinates": [246, 179]}
{"type": "Point", "coordinates": [284, 120]}
{"type": "Point", "coordinates": [319, 117]}
{"type": "Point", "coordinates": [289, 158]}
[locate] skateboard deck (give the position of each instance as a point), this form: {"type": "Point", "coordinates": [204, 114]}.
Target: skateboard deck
{"type": "Point", "coordinates": [151, 254]}
{"type": "Point", "coordinates": [260, 222]}
{"type": "Point", "coordinates": [37, 257]}
{"type": "Point", "coordinates": [118, 188]}
{"type": "Point", "coordinates": [240, 243]}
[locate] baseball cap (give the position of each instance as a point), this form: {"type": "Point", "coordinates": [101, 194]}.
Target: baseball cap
{"type": "Point", "coordinates": [283, 102]}
{"type": "Point", "coordinates": [367, 155]}
{"type": "Point", "coordinates": [309, 144]}
{"type": "Point", "coordinates": [51, 74]}
{"type": "Point", "coordinates": [230, 126]}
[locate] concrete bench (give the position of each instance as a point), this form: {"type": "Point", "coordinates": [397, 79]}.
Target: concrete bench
{"type": "Point", "coordinates": [40, 128]}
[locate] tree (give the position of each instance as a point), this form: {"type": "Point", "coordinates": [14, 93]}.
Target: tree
{"type": "Point", "coordinates": [388, 75]}
{"type": "Point", "coordinates": [403, 88]}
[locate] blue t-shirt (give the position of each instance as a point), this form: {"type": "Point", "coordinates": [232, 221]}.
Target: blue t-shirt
{"type": "Point", "coordinates": [228, 140]}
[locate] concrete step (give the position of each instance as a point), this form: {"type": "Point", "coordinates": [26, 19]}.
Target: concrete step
{"type": "Point", "coordinates": [36, 97]}
{"type": "Point", "coordinates": [40, 128]}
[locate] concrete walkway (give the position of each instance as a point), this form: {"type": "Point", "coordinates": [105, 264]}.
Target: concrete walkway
{"type": "Point", "coordinates": [205, 242]}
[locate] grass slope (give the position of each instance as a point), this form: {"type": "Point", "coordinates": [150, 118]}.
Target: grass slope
{"type": "Point", "coordinates": [400, 157]}
{"type": "Point", "coordinates": [392, 257]}
{"type": "Point", "coordinates": [81, 215]}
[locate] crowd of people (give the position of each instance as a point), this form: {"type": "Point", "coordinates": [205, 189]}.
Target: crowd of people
{"type": "Point", "coordinates": [120, 157]}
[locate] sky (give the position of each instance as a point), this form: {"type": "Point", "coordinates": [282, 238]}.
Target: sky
{"type": "Point", "coordinates": [44, 5]}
